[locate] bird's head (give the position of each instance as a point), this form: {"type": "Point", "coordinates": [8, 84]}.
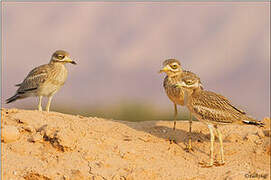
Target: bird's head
{"type": "Point", "coordinates": [190, 83]}
{"type": "Point", "coordinates": [171, 67]}
{"type": "Point", "coordinates": [62, 57]}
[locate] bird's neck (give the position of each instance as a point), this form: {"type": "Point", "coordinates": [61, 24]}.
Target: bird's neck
{"type": "Point", "coordinates": [175, 77]}
{"type": "Point", "coordinates": [186, 97]}
{"type": "Point", "coordinates": [56, 64]}
{"type": "Point", "coordinates": [189, 94]}
{"type": "Point", "coordinates": [196, 91]}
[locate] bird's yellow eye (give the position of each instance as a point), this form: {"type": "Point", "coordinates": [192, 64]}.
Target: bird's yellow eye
{"type": "Point", "coordinates": [174, 66]}
{"type": "Point", "coordinates": [188, 82]}
{"type": "Point", "coordinates": [60, 56]}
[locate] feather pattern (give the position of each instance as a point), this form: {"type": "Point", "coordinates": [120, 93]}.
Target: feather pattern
{"type": "Point", "coordinates": [44, 80]}
{"type": "Point", "coordinates": [210, 107]}
{"type": "Point", "coordinates": [34, 79]}
{"type": "Point", "coordinates": [174, 93]}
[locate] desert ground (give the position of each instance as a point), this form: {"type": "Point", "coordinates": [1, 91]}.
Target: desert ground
{"type": "Point", "coordinates": [47, 146]}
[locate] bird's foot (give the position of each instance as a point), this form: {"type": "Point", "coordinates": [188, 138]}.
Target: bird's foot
{"type": "Point", "coordinates": [206, 164]}
{"type": "Point", "coordinates": [172, 140]}
{"type": "Point", "coordinates": [219, 163]}
{"type": "Point", "coordinates": [189, 148]}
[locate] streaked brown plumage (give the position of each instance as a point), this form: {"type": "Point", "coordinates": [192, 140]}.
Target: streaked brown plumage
{"type": "Point", "coordinates": [212, 109]}
{"type": "Point", "coordinates": [175, 73]}
{"type": "Point", "coordinates": [176, 95]}
{"type": "Point", "coordinates": [44, 80]}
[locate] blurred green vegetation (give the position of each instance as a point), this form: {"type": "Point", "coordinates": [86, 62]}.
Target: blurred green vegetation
{"type": "Point", "coordinates": [126, 111]}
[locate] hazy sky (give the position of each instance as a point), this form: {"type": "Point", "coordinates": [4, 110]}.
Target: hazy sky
{"type": "Point", "coordinates": [119, 48]}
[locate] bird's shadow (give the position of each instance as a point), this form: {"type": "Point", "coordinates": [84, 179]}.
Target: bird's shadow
{"type": "Point", "coordinates": [178, 136]}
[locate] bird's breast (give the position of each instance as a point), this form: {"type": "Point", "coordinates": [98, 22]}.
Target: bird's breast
{"type": "Point", "coordinates": [175, 94]}
{"type": "Point", "coordinates": [55, 81]}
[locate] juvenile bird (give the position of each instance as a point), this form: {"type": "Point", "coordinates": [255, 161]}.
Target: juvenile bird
{"type": "Point", "coordinates": [44, 80]}
{"type": "Point", "coordinates": [174, 71]}
{"type": "Point", "coordinates": [212, 109]}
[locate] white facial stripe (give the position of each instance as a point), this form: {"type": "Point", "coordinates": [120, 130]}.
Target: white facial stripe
{"type": "Point", "coordinates": [183, 84]}
{"type": "Point", "coordinates": [65, 58]}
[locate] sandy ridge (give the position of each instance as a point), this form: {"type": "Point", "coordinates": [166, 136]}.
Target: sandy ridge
{"type": "Point", "coordinates": [41, 145]}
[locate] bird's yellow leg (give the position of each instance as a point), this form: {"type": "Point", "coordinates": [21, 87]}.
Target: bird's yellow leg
{"type": "Point", "coordinates": [39, 106]}
{"type": "Point", "coordinates": [189, 146]}
{"type": "Point", "coordinates": [172, 139]}
{"type": "Point", "coordinates": [175, 116]}
{"type": "Point", "coordinates": [212, 138]}
{"type": "Point", "coordinates": [222, 162]}
{"type": "Point", "coordinates": [49, 103]}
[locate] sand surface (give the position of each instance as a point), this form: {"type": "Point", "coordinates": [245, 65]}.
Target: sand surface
{"type": "Point", "coordinates": [43, 146]}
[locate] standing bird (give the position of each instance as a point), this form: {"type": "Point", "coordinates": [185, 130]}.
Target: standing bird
{"type": "Point", "coordinates": [44, 80]}
{"type": "Point", "coordinates": [174, 71]}
{"type": "Point", "coordinates": [212, 109]}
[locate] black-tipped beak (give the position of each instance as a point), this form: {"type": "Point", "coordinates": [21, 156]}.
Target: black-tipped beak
{"type": "Point", "coordinates": [73, 62]}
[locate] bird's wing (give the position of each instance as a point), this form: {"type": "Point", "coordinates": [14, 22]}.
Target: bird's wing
{"type": "Point", "coordinates": [34, 79]}
{"type": "Point", "coordinates": [214, 107]}
{"type": "Point", "coordinates": [228, 103]}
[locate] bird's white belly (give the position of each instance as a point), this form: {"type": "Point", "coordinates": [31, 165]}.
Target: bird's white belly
{"type": "Point", "coordinates": [49, 89]}
{"type": "Point", "coordinates": [54, 83]}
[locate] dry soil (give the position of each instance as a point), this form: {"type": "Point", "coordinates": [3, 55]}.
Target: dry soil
{"type": "Point", "coordinates": [44, 146]}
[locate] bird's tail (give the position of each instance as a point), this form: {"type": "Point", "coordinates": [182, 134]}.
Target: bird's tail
{"type": "Point", "coordinates": [249, 120]}
{"type": "Point", "coordinates": [13, 98]}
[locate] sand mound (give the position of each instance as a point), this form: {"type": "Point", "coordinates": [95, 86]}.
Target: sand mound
{"type": "Point", "coordinates": [59, 146]}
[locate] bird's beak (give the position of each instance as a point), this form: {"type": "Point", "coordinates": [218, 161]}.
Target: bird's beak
{"type": "Point", "coordinates": [69, 60]}
{"type": "Point", "coordinates": [180, 84]}
{"type": "Point", "coordinates": [73, 62]}
{"type": "Point", "coordinates": [165, 69]}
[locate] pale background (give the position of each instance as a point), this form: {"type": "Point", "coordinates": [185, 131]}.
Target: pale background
{"type": "Point", "coordinates": [119, 48]}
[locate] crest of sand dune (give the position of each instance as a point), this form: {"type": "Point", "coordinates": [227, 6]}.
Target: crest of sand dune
{"type": "Point", "coordinates": [43, 146]}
